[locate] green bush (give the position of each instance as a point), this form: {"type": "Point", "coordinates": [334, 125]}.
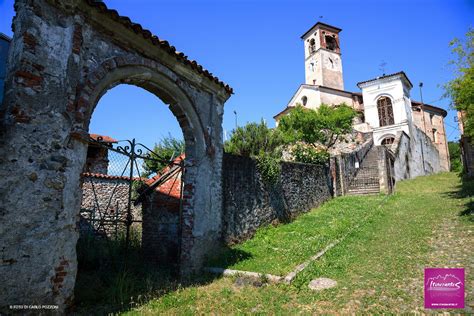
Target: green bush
{"type": "Point", "coordinates": [254, 139]}
{"type": "Point", "coordinates": [260, 142]}
{"type": "Point", "coordinates": [307, 154]}
{"type": "Point", "coordinates": [455, 156]}
{"type": "Point", "coordinates": [269, 167]}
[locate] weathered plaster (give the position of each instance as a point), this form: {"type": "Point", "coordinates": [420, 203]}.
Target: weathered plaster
{"type": "Point", "coordinates": [64, 56]}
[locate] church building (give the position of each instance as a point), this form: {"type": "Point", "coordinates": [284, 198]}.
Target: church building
{"type": "Point", "coordinates": [386, 107]}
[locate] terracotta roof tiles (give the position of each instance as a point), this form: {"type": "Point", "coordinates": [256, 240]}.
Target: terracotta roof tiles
{"type": "Point", "coordinates": [103, 138]}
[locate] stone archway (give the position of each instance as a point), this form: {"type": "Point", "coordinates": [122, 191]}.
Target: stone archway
{"type": "Point", "coordinates": [64, 56]}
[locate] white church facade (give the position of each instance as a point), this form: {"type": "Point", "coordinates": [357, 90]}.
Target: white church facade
{"type": "Point", "coordinates": [387, 111]}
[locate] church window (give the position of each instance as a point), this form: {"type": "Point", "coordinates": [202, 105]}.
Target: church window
{"type": "Point", "coordinates": [304, 100]}
{"type": "Point", "coordinates": [312, 46]}
{"type": "Point", "coordinates": [431, 118]}
{"type": "Point", "coordinates": [385, 110]}
{"type": "Point", "coordinates": [435, 135]}
{"type": "Point", "coordinates": [387, 141]}
{"type": "Point", "coordinates": [331, 43]}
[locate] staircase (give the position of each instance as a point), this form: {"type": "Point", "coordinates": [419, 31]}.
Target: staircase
{"type": "Point", "coordinates": [366, 180]}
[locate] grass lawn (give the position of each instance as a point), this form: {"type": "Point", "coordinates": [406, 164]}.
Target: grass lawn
{"type": "Point", "coordinates": [379, 267]}
{"type": "Point", "coordinates": [278, 250]}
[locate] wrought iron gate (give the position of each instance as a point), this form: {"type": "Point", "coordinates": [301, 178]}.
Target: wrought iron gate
{"type": "Point", "coordinates": [114, 176]}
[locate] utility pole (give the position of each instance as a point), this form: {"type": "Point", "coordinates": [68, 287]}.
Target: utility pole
{"type": "Point", "coordinates": [235, 112]}
{"type": "Point", "coordinates": [424, 125]}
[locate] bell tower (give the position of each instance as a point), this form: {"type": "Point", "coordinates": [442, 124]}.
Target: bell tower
{"type": "Point", "coordinates": [323, 63]}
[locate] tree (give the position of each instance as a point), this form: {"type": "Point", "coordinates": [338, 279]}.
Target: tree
{"type": "Point", "coordinates": [254, 139]}
{"type": "Point", "coordinates": [317, 127]}
{"type": "Point", "coordinates": [461, 88]}
{"type": "Point", "coordinates": [167, 149]}
{"type": "Point", "coordinates": [258, 141]}
{"type": "Point", "coordinates": [455, 156]}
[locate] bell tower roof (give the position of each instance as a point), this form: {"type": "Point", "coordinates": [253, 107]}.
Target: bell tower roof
{"type": "Point", "coordinates": [321, 25]}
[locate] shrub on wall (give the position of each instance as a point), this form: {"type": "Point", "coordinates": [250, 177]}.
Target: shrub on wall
{"type": "Point", "coordinates": [254, 139]}
{"type": "Point", "coordinates": [307, 133]}
{"type": "Point", "coordinates": [260, 142]}
{"type": "Point", "coordinates": [307, 154]}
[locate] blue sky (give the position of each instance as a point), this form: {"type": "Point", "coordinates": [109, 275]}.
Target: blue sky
{"type": "Point", "coordinates": [255, 47]}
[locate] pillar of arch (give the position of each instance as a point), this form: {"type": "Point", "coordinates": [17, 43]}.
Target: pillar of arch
{"type": "Point", "coordinates": [64, 56]}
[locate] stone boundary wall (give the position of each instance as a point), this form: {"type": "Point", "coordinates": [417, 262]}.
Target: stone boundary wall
{"type": "Point", "coordinates": [430, 152]}
{"type": "Point", "coordinates": [249, 203]}
{"type": "Point", "coordinates": [107, 188]}
{"type": "Point", "coordinates": [402, 153]}
{"type": "Point", "coordinates": [415, 155]}
{"type": "Point", "coordinates": [423, 155]}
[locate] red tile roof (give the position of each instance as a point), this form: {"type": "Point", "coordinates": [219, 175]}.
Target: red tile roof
{"type": "Point", "coordinates": [103, 138]}
{"type": "Point", "coordinates": [138, 29]}
{"type": "Point", "coordinates": [175, 162]}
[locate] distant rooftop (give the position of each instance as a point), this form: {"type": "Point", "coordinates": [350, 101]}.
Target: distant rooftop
{"type": "Point", "coordinates": [103, 138]}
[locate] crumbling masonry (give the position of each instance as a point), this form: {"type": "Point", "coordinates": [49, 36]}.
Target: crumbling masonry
{"type": "Point", "coordinates": [63, 57]}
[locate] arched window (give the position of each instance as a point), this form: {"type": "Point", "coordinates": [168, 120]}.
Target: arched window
{"type": "Point", "coordinates": [387, 141]}
{"type": "Point", "coordinates": [384, 107]}
{"type": "Point", "coordinates": [304, 100]}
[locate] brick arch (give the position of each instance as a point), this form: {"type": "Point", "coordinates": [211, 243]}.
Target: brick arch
{"type": "Point", "coordinates": [62, 58]}
{"type": "Point", "coordinates": [150, 76]}
{"type": "Point", "coordinates": [146, 74]}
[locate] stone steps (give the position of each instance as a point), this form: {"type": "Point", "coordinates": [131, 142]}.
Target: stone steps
{"type": "Point", "coordinates": [366, 181]}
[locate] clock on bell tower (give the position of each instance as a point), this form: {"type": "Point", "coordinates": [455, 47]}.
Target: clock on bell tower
{"type": "Point", "coordinates": [323, 64]}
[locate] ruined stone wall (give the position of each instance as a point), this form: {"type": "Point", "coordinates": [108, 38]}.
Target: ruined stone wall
{"type": "Point", "coordinates": [63, 57]}
{"type": "Point", "coordinates": [249, 203]}
{"type": "Point", "coordinates": [105, 197]}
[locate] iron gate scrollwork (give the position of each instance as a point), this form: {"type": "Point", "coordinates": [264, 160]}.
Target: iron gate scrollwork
{"type": "Point", "coordinates": [114, 176]}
